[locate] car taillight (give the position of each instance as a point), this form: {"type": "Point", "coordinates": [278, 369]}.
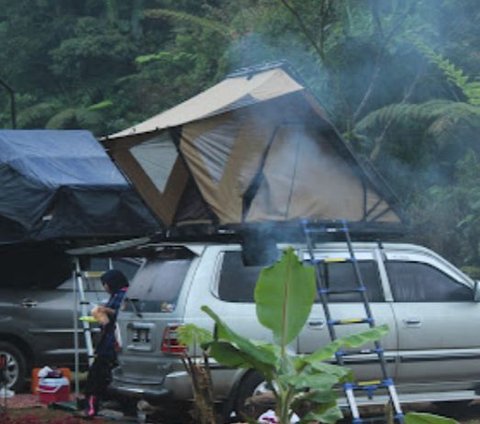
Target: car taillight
{"type": "Point", "coordinates": [170, 343]}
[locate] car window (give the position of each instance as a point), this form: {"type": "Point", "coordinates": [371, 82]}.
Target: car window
{"type": "Point", "coordinates": [34, 267]}
{"type": "Point", "coordinates": [156, 285]}
{"type": "Point", "coordinates": [94, 268]}
{"type": "Point", "coordinates": [421, 282]}
{"type": "Point", "coordinates": [341, 276]}
{"type": "Point", "coordinates": [129, 266]}
{"type": "Point", "coordinates": [237, 281]}
{"type": "Point", "coordinates": [90, 284]}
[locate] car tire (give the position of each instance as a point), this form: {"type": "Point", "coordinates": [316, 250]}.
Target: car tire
{"type": "Point", "coordinates": [16, 366]}
{"type": "Point", "coordinates": [252, 384]}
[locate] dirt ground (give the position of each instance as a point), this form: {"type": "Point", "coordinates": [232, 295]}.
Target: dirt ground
{"type": "Point", "coordinates": [26, 409]}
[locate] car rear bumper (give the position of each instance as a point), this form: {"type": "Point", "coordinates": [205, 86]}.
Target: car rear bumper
{"type": "Point", "coordinates": [130, 391]}
{"type": "Point", "coordinates": [176, 385]}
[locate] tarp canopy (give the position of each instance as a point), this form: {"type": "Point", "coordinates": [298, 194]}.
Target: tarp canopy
{"type": "Point", "coordinates": [61, 184]}
{"type": "Point", "coordinates": [257, 147]}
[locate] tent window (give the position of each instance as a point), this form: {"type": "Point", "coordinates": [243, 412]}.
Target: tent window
{"type": "Point", "coordinates": [420, 282]}
{"type": "Point", "coordinates": [215, 147]}
{"type": "Point", "coordinates": [157, 158]}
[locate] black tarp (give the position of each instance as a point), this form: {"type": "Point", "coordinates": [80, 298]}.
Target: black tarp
{"type": "Point", "coordinates": [60, 184]}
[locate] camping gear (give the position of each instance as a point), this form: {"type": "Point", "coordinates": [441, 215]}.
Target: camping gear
{"type": "Point", "coordinates": [60, 184]}
{"type": "Point", "coordinates": [255, 148]}
{"type": "Point", "coordinates": [52, 390]}
{"type": "Point", "coordinates": [358, 288]}
{"type": "Point", "coordinates": [37, 375]}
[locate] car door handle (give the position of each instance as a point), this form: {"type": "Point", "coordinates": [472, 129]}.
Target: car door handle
{"type": "Point", "coordinates": [412, 322]}
{"type": "Point", "coordinates": [29, 303]}
{"type": "Point", "coordinates": [316, 324]}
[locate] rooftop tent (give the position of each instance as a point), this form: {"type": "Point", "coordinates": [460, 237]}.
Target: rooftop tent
{"type": "Point", "coordinates": [62, 185]}
{"type": "Point", "coordinates": [254, 148]}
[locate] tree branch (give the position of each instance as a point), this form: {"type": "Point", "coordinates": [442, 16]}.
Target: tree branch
{"type": "Point", "coordinates": [304, 29]}
{"type": "Point", "coordinates": [379, 140]}
{"type": "Point", "coordinates": [386, 38]}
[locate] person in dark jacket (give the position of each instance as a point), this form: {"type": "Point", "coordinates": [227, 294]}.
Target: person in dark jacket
{"type": "Point", "coordinates": [100, 372]}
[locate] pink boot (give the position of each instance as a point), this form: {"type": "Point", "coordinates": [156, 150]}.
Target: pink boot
{"type": "Point", "coordinates": [92, 405]}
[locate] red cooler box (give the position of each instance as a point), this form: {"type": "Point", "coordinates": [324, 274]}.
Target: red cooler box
{"type": "Point", "coordinates": [53, 390]}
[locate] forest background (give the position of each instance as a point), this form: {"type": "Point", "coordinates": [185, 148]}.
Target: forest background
{"type": "Point", "coordinates": [399, 79]}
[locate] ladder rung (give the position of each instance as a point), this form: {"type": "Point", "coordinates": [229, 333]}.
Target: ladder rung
{"type": "Point", "coordinates": [324, 230]}
{"type": "Point", "coordinates": [367, 383]}
{"type": "Point", "coordinates": [317, 261]}
{"type": "Point", "coordinates": [351, 321]}
{"type": "Point", "coordinates": [368, 386]}
{"type": "Point", "coordinates": [342, 291]}
{"type": "Point", "coordinates": [93, 274]}
{"type": "Point", "coordinates": [335, 260]}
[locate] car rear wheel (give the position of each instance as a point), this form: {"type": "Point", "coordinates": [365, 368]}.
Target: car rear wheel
{"type": "Point", "coordinates": [15, 366]}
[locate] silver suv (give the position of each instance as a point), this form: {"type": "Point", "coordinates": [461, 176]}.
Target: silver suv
{"type": "Point", "coordinates": [431, 308]}
{"type": "Point", "coordinates": [36, 307]}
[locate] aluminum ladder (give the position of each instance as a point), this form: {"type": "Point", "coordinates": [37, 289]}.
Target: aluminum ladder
{"type": "Point", "coordinates": [312, 231]}
{"type": "Point", "coordinates": [85, 306]}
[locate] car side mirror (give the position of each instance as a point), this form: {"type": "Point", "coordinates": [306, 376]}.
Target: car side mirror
{"type": "Point", "coordinates": [476, 291]}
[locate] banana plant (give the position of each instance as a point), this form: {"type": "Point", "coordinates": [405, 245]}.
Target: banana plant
{"type": "Point", "coordinates": [284, 296]}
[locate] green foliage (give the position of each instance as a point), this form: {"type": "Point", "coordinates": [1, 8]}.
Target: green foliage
{"type": "Point", "coordinates": [189, 19]}
{"type": "Point", "coordinates": [36, 116]}
{"type": "Point", "coordinates": [105, 104]}
{"type": "Point", "coordinates": [284, 295]}
{"type": "Point", "coordinates": [93, 51]}
{"type": "Point", "coordinates": [191, 335]}
{"type": "Point", "coordinates": [76, 118]}
{"type": "Point", "coordinates": [398, 77]}
{"type": "Point", "coordinates": [199, 372]}
{"type": "Point", "coordinates": [296, 380]}
{"type": "Point", "coordinates": [470, 89]}
{"type": "Point", "coordinates": [66, 119]}
{"type": "Point", "coordinates": [424, 418]}
{"type": "Point", "coordinates": [423, 142]}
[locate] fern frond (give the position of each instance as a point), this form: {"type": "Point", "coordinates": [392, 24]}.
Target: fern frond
{"type": "Point", "coordinates": [189, 19]}
{"type": "Point", "coordinates": [37, 115]}
{"type": "Point", "coordinates": [455, 75]}
{"type": "Point", "coordinates": [418, 115]}
{"type": "Point", "coordinates": [105, 104]}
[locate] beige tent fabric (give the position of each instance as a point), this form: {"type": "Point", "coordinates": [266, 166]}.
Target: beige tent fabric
{"type": "Point", "coordinates": [268, 122]}
{"type": "Point", "coordinates": [306, 178]}
{"type": "Point", "coordinates": [303, 176]}
{"type": "Point", "coordinates": [248, 141]}
{"type": "Point", "coordinates": [229, 94]}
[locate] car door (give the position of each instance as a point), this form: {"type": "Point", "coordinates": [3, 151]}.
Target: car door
{"type": "Point", "coordinates": [46, 315]}
{"type": "Point", "coordinates": [340, 275]}
{"type": "Point", "coordinates": [439, 339]}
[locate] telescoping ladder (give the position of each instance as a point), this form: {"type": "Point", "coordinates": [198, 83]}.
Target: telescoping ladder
{"type": "Point", "coordinates": [313, 231]}
{"type": "Point", "coordinates": [85, 307]}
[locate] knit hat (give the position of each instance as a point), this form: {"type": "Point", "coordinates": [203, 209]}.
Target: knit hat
{"type": "Point", "coordinates": [114, 279]}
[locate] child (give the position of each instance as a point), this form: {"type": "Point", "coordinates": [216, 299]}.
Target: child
{"type": "Point", "coordinates": [100, 372]}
